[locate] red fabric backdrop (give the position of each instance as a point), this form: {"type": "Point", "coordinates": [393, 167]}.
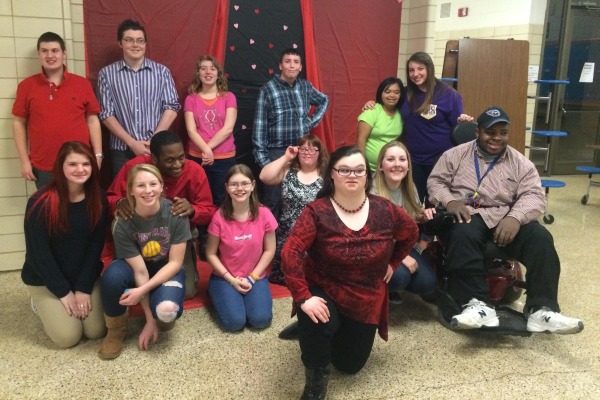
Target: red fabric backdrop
{"type": "Point", "coordinates": [356, 45]}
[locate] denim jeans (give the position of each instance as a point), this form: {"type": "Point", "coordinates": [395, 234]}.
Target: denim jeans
{"type": "Point", "coordinates": [118, 276]}
{"type": "Point", "coordinates": [235, 309]}
{"type": "Point", "coordinates": [42, 177]}
{"type": "Point", "coordinates": [118, 158]}
{"type": "Point", "coordinates": [422, 281]}
{"type": "Point", "coordinates": [216, 174]}
{"type": "Point", "coordinates": [271, 195]}
{"type": "Point", "coordinates": [420, 173]}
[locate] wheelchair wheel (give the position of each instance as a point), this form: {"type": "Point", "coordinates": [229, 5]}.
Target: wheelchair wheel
{"type": "Point", "coordinates": [548, 219]}
{"type": "Point", "coordinates": [584, 199]}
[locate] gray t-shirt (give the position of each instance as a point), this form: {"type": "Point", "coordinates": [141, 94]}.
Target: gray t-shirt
{"type": "Point", "coordinates": [151, 238]}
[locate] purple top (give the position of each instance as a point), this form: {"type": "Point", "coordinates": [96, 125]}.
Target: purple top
{"type": "Point", "coordinates": [427, 135]}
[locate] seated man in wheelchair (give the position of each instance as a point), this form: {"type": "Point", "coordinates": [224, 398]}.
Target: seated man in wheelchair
{"type": "Point", "coordinates": [495, 193]}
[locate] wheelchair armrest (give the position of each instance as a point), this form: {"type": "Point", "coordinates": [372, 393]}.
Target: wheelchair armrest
{"type": "Point", "coordinates": [441, 221]}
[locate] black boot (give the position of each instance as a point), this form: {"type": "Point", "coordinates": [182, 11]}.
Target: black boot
{"type": "Point", "coordinates": [290, 332]}
{"type": "Point", "coordinates": [316, 383]}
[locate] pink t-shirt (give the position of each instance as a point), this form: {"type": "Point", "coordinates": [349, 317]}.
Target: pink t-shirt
{"type": "Point", "coordinates": [241, 243]}
{"type": "Point", "coordinates": [210, 119]}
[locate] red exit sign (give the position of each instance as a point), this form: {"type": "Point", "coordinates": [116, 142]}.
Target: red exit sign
{"type": "Point", "coordinates": [463, 12]}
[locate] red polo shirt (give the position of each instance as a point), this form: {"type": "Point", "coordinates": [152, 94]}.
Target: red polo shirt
{"type": "Point", "coordinates": [55, 114]}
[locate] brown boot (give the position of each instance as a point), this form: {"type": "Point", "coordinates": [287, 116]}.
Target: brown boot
{"type": "Point", "coordinates": [113, 342]}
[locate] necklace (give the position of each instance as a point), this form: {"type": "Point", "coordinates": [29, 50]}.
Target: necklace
{"type": "Point", "coordinates": [350, 211]}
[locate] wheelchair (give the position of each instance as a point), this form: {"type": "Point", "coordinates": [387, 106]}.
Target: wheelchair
{"type": "Point", "coordinates": [505, 281]}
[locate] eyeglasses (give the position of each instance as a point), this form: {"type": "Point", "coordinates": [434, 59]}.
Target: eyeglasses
{"type": "Point", "coordinates": [310, 150]}
{"type": "Point", "coordinates": [237, 185]}
{"type": "Point", "coordinates": [131, 41]}
{"type": "Point", "coordinates": [346, 172]}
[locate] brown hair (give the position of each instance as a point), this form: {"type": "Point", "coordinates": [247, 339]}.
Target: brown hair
{"type": "Point", "coordinates": [421, 58]}
{"type": "Point", "coordinates": [196, 86]}
{"type": "Point", "coordinates": [315, 142]}
{"type": "Point", "coordinates": [227, 205]}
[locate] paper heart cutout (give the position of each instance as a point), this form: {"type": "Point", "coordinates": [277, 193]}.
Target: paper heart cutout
{"type": "Point", "coordinates": [270, 45]}
{"type": "Point", "coordinates": [244, 127]}
{"type": "Point", "coordinates": [285, 27]}
{"type": "Point", "coordinates": [235, 25]}
{"type": "Point", "coordinates": [270, 71]}
{"type": "Point", "coordinates": [232, 48]}
{"type": "Point", "coordinates": [256, 11]}
{"type": "Point", "coordinates": [244, 91]}
{"type": "Point", "coordinates": [251, 41]}
{"type": "Point", "coordinates": [236, 7]}
{"type": "Point", "coordinates": [253, 66]}
{"type": "Point", "coordinates": [295, 46]}
{"type": "Point", "coordinates": [226, 75]}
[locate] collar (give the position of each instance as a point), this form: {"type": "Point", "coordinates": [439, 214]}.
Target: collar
{"type": "Point", "coordinates": [284, 83]}
{"type": "Point", "coordinates": [43, 77]}
{"type": "Point", "coordinates": [123, 65]}
{"type": "Point", "coordinates": [489, 157]}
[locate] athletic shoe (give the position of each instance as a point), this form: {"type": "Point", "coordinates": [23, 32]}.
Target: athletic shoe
{"type": "Point", "coordinates": [546, 320]}
{"type": "Point", "coordinates": [395, 298]}
{"type": "Point", "coordinates": [33, 307]}
{"type": "Point", "coordinates": [476, 314]}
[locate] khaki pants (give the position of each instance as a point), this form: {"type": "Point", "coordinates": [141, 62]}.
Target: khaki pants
{"type": "Point", "coordinates": [63, 330]}
{"type": "Point", "coordinates": [189, 264]}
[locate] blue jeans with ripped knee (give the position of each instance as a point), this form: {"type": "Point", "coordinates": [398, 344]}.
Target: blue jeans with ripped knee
{"type": "Point", "coordinates": [118, 276]}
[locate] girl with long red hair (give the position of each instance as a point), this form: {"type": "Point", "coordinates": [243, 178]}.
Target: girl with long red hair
{"type": "Point", "coordinates": [64, 237]}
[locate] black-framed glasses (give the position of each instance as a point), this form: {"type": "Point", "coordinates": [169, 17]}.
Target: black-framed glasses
{"type": "Point", "coordinates": [131, 41]}
{"type": "Point", "coordinates": [310, 150]}
{"type": "Point", "coordinates": [347, 171]}
{"type": "Point", "coordinates": [236, 185]}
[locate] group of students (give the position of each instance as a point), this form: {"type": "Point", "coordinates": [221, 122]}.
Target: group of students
{"type": "Point", "coordinates": [346, 237]}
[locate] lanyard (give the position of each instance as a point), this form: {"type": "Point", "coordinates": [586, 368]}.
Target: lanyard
{"type": "Point", "coordinates": [479, 177]}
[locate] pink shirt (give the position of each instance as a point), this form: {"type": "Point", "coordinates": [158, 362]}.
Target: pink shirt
{"type": "Point", "coordinates": [241, 243]}
{"type": "Point", "coordinates": [210, 119]}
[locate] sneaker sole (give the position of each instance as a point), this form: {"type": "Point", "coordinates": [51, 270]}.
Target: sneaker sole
{"type": "Point", "coordinates": [455, 323]}
{"type": "Point", "coordinates": [569, 331]}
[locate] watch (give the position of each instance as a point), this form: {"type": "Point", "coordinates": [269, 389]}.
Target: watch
{"type": "Point", "coordinates": [99, 155]}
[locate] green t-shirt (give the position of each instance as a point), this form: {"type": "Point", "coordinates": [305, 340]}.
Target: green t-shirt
{"type": "Point", "coordinates": [384, 130]}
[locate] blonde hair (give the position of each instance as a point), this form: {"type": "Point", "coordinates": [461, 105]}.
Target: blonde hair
{"type": "Point", "coordinates": [196, 86]}
{"type": "Point", "coordinates": [407, 186]}
{"type": "Point", "coordinates": [131, 178]}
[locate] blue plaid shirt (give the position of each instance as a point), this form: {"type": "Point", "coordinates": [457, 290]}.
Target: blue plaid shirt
{"type": "Point", "coordinates": [136, 99]}
{"type": "Point", "coordinates": [282, 115]}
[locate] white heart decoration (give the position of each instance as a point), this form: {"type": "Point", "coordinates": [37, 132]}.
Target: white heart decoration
{"type": "Point", "coordinates": [236, 7]}
{"type": "Point", "coordinates": [285, 27]}
{"type": "Point", "coordinates": [251, 41]}
{"type": "Point", "coordinates": [244, 126]}
{"type": "Point", "coordinates": [235, 25]}
{"type": "Point", "coordinates": [295, 46]}
{"type": "Point", "coordinates": [253, 66]}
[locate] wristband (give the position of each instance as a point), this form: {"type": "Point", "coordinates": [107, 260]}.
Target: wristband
{"type": "Point", "coordinates": [249, 279]}
{"type": "Point", "coordinates": [99, 155]}
{"type": "Point", "coordinates": [254, 277]}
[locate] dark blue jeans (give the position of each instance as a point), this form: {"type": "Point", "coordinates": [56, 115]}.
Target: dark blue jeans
{"type": "Point", "coordinates": [422, 281]}
{"type": "Point", "coordinates": [118, 158]}
{"type": "Point", "coordinates": [42, 177]}
{"type": "Point", "coordinates": [118, 276]}
{"type": "Point", "coordinates": [420, 173]}
{"type": "Point", "coordinates": [216, 174]}
{"type": "Point", "coordinates": [234, 309]}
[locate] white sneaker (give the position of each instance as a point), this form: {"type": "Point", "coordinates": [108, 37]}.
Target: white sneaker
{"type": "Point", "coordinates": [546, 320]}
{"type": "Point", "coordinates": [476, 314]}
{"type": "Point", "coordinates": [33, 307]}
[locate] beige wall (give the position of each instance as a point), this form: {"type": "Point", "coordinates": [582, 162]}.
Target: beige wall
{"type": "Point", "coordinates": [21, 23]}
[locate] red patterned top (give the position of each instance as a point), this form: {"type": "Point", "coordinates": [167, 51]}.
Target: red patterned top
{"type": "Point", "coordinates": [348, 265]}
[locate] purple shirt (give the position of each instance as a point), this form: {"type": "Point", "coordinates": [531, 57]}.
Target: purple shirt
{"type": "Point", "coordinates": [427, 135]}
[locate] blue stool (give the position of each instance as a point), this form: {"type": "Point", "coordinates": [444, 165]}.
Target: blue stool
{"type": "Point", "coordinates": [547, 184]}
{"type": "Point", "coordinates": [590, 171]}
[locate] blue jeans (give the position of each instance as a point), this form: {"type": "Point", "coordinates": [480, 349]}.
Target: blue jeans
{"type": "Point", "coordinates": [271, 195]}
{"type": "Point", "coordinates": [234, 309]}
{"type": "Point", "coordinates": [118, 276]}
{"type": "Point", "coordinates": [216, 174]}
{"type": "Point", "coordinates": [423, 281]}
{"type": "Point", "coordinates": [420, 173]}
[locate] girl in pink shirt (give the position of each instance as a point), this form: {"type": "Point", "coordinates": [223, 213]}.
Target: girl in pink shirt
{"type": "Point", "coordinates": [239, 248]}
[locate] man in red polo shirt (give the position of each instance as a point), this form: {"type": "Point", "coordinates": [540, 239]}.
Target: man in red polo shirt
{"type": "Point", "coordinates": [185, 184]}
{"type": "Point", "coordinates": [51, 108]}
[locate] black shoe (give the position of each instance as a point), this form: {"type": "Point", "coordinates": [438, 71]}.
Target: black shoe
{"type": "Point", "coordinates": [395, 298]}
{"type": "Point", "coordinates": [290, 332]}
{"type": "Point", "coordinates": [316, 383]}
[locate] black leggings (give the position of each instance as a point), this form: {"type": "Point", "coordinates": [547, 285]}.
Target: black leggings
{"type": "Point", "coordinates": [344, 342]}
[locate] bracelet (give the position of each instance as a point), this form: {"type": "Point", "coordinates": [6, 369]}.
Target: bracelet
{"type": "Point", "coordinates": [254, 277]}
{"type": "Point", "coordinates": [252, 281]}
{"type": "Point", "coordinates": [99, 155]}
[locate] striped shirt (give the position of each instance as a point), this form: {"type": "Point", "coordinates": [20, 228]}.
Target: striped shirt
{"type": "Point", "coordinates": [282, 115]}
{"type": "Point", "coordinates": [510, 189]}
{"type": "Point", "coordinates": [137, 99]}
